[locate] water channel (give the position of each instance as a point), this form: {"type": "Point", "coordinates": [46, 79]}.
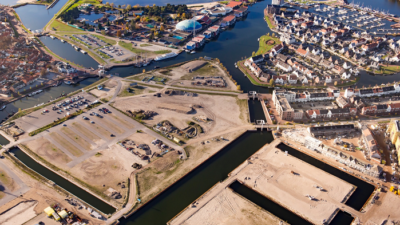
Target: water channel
{"type": "Point", "coordinates": [231, 46]}
{"type": "Point", "coordinates": [72, 188]}
{"type": "Point", "coordinates": [267, 204]}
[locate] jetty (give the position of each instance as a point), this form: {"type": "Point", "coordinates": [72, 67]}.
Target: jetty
{"type": "Point", "coordinates": [52, 4]}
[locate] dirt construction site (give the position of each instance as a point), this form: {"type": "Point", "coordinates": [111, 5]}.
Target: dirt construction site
{"type": "Point", "coordinates": [228, 208]}
{"type": "Point", "coordinates": [28, 207]}
{"type": "Point", "coordinates": [305, 190]}
{"type": "Point", "coordinates": [88, 147]}
{"type": "Point", "coordinates": [194, 74]}
{"type": "Point", "coordinates": [214, 113]}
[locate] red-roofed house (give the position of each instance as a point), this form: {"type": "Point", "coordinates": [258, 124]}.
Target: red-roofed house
{"type": "Point", "coordinates": [228, 20]}
{"type": "Point", "coordinates": [369, 47]}
{"type": "Point", "coordinates": [234, 4]}
{"type": "Point", "coordinates": [302, 52]}
{"type": "Point", "coordinates": [201, 39]}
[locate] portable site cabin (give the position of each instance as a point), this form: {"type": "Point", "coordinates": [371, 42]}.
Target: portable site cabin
{"type": "Point", "coordinates": [49, 211]}
{"type": "Point", "coordinates": [63, 214]}
{"type": "Point", "coordinates": [56, 216]}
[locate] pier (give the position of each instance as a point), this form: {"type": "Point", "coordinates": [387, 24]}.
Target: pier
{"type": "Point", "coordinates": [52, 4]}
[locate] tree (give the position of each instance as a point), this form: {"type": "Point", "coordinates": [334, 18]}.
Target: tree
{"type": "Point", "coordinates": [271, 82]}
{"type": "Point", "coordinates": [238, 87]}
{"type": "Point", "coordinates": [162, 28]}
{"type": "Point", "coordinates": [183, 15]}
{"type": "Point", "coordinates": [128, 7]}
{"type": "Point", "coordinates": [253, 53]}
{"type": "Point", "coordinates": [133, 25]}
{"type": "Point", "coordinates": [103, 32]}
{"type": "Point", "coordinates": [273, 34]}
{"type": "Point", "coordinates": [19, 110]}
{"type": "Point", "coordinates": [43, 72]}
{"type": "Point", "coordinates": [144, 70]}
{"type": "Point", "coordinates": [118, 33]}
{"type": "Point", "coordinates": [112, 5]}
{"type": "Point", "coordinates": [107, 4]}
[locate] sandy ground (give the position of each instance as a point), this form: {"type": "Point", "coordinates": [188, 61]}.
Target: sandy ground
{"type": "Point", "coordinates": [271, 174]}
{"type": "Point", "coordinates": [354, 141]}
{"type": "Point", "coordinates": [229, 208]}
{"type": "Point", "coordinates": [107, 91]}
{"type": "Point", "coordinates": [48, 151]}
{"type": "Point", "coordinates": [41, 196]}
{"type": "Point", "coordinates": [42, 218]}
{"type": "Point", "coordinates": [222, 110]}
{"type": "Point", "coordinates": [137, 90]}
{"type": "Point", "coordinates": [109, 168]}
{"type": "Point", "coordinates": [19, 214]}
{"type": "Point", "coordinates": [7, 182]}
{"type": "Point", "coordinates": [180, 76]}
{"type": "Point", "coordinates": [386, 207]}
{"type": "Point", "coordinates": [25, 1]}
{"type": "Point", "coordinates": [166, 170]}
{"type": "Point", "coordinates": [203, 5]}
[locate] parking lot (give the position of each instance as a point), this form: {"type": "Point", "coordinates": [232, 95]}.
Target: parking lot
{"type": "Point", "coordinates": [90, 40]}
{"type": "Point", "coordinates": [52, 112]}
{"type": "Point", "coordinates": [116, 53]}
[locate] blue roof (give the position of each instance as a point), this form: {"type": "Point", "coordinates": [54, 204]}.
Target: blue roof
{"type": "Point", "coordinates": [187, 25]}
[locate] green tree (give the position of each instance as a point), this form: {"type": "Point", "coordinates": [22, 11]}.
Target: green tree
{"type": "Point", "coordinates": [271, 82]}
{"type": "Point", "coordinates": [128, 7]}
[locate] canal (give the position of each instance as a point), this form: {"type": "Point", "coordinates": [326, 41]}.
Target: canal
{"type": "Point", "coordinates": [359, 196]}
{"type": "Point", "coordinates": [341, 218]}
{"type": "Point", "coordinates": [178, 196]}
{"type": "Point", "coordinates": [256, 111]}
{"type": "Point", "coordinates": [35, 17]}
{"type": "Point", "coordinates": [72, 188]}
{"type": "Point", "coordinates": [268, 204]}
{"type": "Point", "coordinates": [232, 45]}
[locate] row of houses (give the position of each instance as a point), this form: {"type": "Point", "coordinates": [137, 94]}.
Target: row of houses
{"type": "Point", "coordinates": [305, 139]}
{"type": "Point", "coordinates": [372, 92]}
{"type": "Point", "coordinates": [200, 39]}
{"type": "Point", "coordinates": [331, 113]}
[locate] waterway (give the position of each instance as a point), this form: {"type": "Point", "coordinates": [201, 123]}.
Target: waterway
{"type": "Point", "coordinates": [231, 46]}
{"type": "Point", "coordinates": [35, 17]}
{"type": "Point", "coordinates": [170, 202]}
{"type": "Point", "coordinates": [359, 196]}
{"type": "Point", "coordinates": [59, 48]}
{"type": "Point", "coordinates": [269, 205]}
{"type": "Point", "coordinates": [256, 111]}
{"type": "Point", "coordinates": [72, 188]}
{"type": "Point", "coordinates": [341, 218]}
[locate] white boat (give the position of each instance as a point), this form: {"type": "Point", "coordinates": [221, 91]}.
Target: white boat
{"type": "Point", "coordinates": [76, 48]}
{"type": "Point", "coordinates": [62, 41]}
{"type": "Point", "coordinates": [83, 52]}
{"type": "Point", "coordinates": [3, 107]}
{"type": "Point", "coordinates": [52, 37]}
{"type": "Point", "coordinates": [165, 56]}
{"type": "Point", "coordinates": [192, 52]}
{"type": "Point", "coordinates": [187, 50]}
